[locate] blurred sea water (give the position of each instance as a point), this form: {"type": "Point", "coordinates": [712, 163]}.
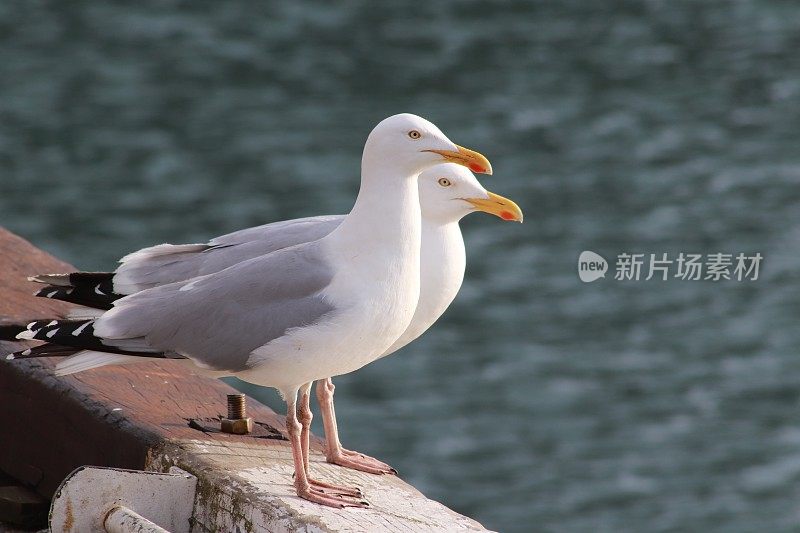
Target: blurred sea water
{"type": "Point", "coordinates": [538, 402]}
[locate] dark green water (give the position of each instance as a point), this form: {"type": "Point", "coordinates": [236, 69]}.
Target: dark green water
{"type": "Point", "coordinates": [538, 403]}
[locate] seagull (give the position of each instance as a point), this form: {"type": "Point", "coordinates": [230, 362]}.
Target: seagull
{"type": "Point", "coordinates": [447, 193]}
{"type": "Point", "coordinates": [303, 313]}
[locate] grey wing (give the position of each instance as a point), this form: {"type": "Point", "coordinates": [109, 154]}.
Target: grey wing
{"type": "Point", "coordinates": [168, 263]}
{"type": "Point", "coordinates": [218, 319]}
{"type": "Point", "coordinates": [284, 233]}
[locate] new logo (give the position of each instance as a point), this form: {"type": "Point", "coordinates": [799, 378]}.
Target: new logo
{"type": "Point", "coordinates": [591, 266]}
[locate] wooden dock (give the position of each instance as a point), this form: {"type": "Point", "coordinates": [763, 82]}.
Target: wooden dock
{"type": "Point", "coordinates": [158, 415]}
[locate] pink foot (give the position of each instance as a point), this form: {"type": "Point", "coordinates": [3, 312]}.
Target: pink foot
{"type": "Point", "coordinates": [331, 500]}
{"type": "Point", "coordinates": [359, 461]}
{"type": "Point", "coordinates": [338, 490]}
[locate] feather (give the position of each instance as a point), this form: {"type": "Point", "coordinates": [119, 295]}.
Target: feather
{"type": "Point", "coordinates": [88, 359]}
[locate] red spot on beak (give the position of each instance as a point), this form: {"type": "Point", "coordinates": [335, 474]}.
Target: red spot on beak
{"type": "Point", "coordinates": [475, 167]}
{"type": "Point", "coordinates": [505, 215]}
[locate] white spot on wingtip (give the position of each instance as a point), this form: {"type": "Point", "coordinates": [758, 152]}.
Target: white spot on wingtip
{"type": "Point", "coordinates": [79, 330]}
{"type": "Point", "coordinates": [25, 352]}
{"type": "Point", "coordinates": [50, 333]}
{"type": "Point", "coordinates": [98, 291]}
{"type": "Point", "coordinates": [10, 357]}
{"type": "Point", "coordinates": [26, 335]}
{"type": "Point", "coordinates": [51, 294]}
{"type": "Point", "coordinates": [52, 323]}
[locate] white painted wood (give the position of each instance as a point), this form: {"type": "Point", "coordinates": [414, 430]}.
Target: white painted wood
{"type": "Point", "coordinates": [86, 496]}
{"type": "Point", "coordinates": [245, 485]}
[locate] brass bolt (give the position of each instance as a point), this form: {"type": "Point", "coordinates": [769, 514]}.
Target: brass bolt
{"type": "Point", "coordinates": [237, 422]}
{"type": "Point", "coordinates": [237, 406]}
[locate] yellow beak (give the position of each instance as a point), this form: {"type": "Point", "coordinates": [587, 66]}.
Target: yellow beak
{"type": "Point", "coordinates": [498, 206]}
{"type": "Point", "coordinates": [465, 157]}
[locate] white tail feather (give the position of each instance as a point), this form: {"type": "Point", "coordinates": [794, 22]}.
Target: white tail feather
{"type": "Point", "coordinates": [137, 344]}
{"type": "Point", "coordinates": [59, 280]}
{"type": "Point", "coordinates": [88, 359]}
{"type": "Point", "coordinates": [84, 313]}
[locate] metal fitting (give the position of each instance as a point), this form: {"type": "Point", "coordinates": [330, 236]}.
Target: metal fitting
{"type": "Point", "coordinates": [120, 519]}
{"type": "Point", "coordinates": [237, 423]}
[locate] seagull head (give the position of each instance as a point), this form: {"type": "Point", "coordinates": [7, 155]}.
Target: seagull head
{"type": "Point", "coordinates": [448, 192]}
{"type": "Point", "coordinates": [410, 144]}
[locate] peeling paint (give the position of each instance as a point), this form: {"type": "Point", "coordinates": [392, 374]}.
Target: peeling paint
{"type": "Point", "coordinates": [235, 495]}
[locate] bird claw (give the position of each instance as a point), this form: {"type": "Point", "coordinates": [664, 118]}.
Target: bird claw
{"type": "Point", "coordinates": [338, 490]}
{"type": "Point", "coordinates": [331, 500]}
{"type": "Point", "coordinates": [361, 462]}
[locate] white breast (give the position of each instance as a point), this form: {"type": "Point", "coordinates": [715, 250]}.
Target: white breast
{"type": "Point", "coordinates": [373, 307]}
{"type": "Point", "coordinates": [442, 265]}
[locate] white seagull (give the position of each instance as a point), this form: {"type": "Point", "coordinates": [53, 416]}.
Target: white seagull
{"type": "Point", "coordinates": [302, 313]}
{"type": "Point", "coordinates": [447, 193]}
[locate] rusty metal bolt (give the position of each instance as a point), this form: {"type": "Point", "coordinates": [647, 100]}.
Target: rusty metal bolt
{"type": "Point", "coordinates": [240, 426]}
{"type": "Point", "coordinates": [237, 422]}
{"type": "Point", "coordinates": [237, 406]}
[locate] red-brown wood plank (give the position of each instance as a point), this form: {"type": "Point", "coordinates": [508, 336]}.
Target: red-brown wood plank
{"type": "Point", "coordinates": [111, 416]}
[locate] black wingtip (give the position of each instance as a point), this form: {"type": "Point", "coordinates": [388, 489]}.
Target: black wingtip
{"type": "Point", "coordinates": [9, 332]}
{"type": "Point", "coordinates": [99, 296]}
{"type": "Point", "coordinates": [45, 350]}
{"type": "Point", "coordinates": [50, 291]}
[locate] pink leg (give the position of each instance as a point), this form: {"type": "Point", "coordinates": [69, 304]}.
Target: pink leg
{"type": "Point", "coordinates": [302, 484]}
{"type": "Point", "coordinates": [305, 416]}
{"type": "Point", "coordinates": [334, 453]}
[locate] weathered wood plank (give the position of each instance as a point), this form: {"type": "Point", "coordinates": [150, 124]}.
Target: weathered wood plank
{"type": "Point", "coordinates": [107, 417]}
{"type": "Point", "coordinates": [139, 416]}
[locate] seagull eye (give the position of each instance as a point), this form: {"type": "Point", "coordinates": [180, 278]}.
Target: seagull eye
{"type": "Point", "coordinates": [444, 182]}
{"type": "Point", "coordinates": [414, 134]}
